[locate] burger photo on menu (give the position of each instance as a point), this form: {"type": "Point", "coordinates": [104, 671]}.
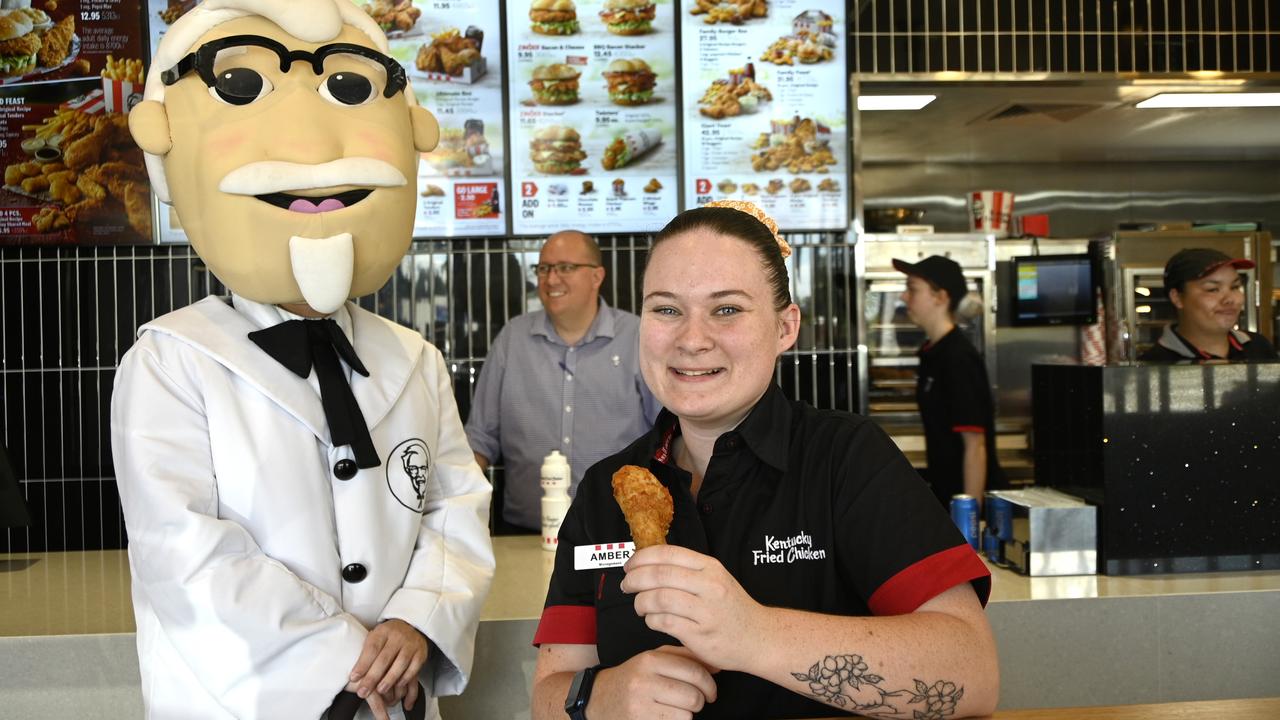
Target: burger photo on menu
{"type": "Point", "coordinates": [630, 82]}
{"type": "Point", "coordinates": [553, 17]}
{"type": "Point", "coordinates": [628, 147]}
{"type": "Point", "coordinates": [557, 150]}
{"type": "Point", "coordinates": [628, 17]}
{"type": "Point", "coordinates": [555, 84]}
{"type": "Point", "coordinates": [395, 17]}
{"type": "Point", "coordinates": [32, 43]}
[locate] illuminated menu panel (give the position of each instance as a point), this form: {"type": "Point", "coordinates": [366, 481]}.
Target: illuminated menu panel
{"type": "Point", "coordinates": [592, 103]}
{"type": "Point", "coordinates": [764, 102]}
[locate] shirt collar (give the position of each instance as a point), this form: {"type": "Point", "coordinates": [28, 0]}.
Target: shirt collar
{"type": "Point", "coordinates": [766, 430]}
{"type": "Point", "coordinates": [262, 315]}
{"type": "Point", "coordinates": [602, 326]}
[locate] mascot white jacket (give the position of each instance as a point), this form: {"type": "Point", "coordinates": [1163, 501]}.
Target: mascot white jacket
{"type": "Point", "coordinates": [296, 531]}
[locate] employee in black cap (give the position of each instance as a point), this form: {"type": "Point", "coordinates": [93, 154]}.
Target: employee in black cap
{"type": "Point", "coordinates": [952, 389]}
{"type": "Point", "coordinates": [1205, 287]}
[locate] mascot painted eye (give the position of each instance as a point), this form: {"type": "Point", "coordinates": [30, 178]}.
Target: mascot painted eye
{"type": "Point", "coordinates": [240, 86]}
{"type": "Point", "coordinates": [347, 88]}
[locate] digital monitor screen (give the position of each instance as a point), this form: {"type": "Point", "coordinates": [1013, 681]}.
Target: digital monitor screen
{"type": "Point", "coordinates": [1053, 290]}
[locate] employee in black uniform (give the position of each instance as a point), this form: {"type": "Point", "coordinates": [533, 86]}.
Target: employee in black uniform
{"type": "Point", "coordinates": [808, 567]}
{"type": "Point", "coordinates": [952, 389]}
{"type": "Point", "coordinates": [1205, 287]}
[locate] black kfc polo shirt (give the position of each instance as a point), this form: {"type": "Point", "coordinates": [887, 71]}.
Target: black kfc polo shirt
{"type": "Point", "coordinates": [809, 509]}
{"type": "Point", "coordinates": [954, 396]}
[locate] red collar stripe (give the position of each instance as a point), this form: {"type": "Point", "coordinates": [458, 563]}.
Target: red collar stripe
{"type": "Point", "coordinates": [663, 453]}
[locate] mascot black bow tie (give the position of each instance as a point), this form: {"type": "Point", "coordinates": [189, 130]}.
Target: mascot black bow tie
{"type": "Point", "coordinates": [300, 344]}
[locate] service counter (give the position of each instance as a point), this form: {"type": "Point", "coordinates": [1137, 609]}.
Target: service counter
{"type": "Point", "coordinates": [1181, 460]}
{"type": "Point", "coordinates": [66, 637]}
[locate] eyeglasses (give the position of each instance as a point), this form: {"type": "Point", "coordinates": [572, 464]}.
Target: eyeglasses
{"type": "Point", "coordinates": [562, 269]}
{"type": "Point", "coordinates": [236, 68]}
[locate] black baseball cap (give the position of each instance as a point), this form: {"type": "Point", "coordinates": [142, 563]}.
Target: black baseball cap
{"type": "Point", "coordinates": [941, 272]}
{"type": "Point", "coordinates": [1195, 263]}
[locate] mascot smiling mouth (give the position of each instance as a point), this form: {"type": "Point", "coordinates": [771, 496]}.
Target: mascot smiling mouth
{"type": "Point", "coordinates": [312, 204]}
{"type": "Point", "coordinates": [308, 189]}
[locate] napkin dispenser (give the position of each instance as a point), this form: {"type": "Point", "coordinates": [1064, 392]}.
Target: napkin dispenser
{"type": "Point", "coordinates": [1040, 531]}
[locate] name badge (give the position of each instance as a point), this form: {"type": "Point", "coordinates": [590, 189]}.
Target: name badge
{"type": "Point", "coordinates": [596, 557]}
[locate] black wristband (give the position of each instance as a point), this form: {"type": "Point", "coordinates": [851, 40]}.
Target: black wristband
{"type": "Point", "coordinates": [575, 704]}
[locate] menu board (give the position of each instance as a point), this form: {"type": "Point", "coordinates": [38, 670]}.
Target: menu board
{"type": "Point", "coordinates": [451, 52]}
{"type": "Point", "coordinates": [69, 72]}
{"type": "Point", "coordinates": [593, 114]}
{"type": "Point", "coordinates": [765, 108]}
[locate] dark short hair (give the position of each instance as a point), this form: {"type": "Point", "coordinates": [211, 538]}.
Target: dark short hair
{"type": "Point", "coordinates": [740, 226]}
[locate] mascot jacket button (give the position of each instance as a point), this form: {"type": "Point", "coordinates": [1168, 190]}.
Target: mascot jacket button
{"type": "Point", "coordinates": [344, 469]}
{"type": "Point", "coordinates": [354, 573]}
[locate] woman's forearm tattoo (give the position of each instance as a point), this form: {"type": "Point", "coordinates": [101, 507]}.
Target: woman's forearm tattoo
{"type": "Point", "coordinates": [844, 681]}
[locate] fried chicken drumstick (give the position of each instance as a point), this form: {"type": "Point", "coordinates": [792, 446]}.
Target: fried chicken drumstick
{"type": "Point", "coordinates": [645, 502]}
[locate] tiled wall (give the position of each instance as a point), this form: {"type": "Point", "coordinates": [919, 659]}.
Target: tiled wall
{"type": "Point", "coordinates": [69, 314]}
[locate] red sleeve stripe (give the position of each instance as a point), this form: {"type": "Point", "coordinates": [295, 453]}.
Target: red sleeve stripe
{"type": "Point", "coordinates": [567, 625]}
{"type": "Point", "coordinates": [969, 428]}
{"type": "Point", "coordinates": [915, 585]}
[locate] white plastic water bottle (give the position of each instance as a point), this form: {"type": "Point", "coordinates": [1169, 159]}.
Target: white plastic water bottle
{"type": "Point", "coordinates": [555, 497]}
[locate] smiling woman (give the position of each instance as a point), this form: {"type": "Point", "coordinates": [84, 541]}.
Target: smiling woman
{"type": "Point", "coordinates": [807, 565]}
{"type": "Point", "coordinates": [1207, 289]}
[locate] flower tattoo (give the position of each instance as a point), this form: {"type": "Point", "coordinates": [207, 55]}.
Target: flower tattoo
{"type": "Point", "coordinates": [838, 677]}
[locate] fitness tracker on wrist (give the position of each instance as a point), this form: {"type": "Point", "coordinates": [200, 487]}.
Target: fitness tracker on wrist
{"type": "Point", "coordinates": [575, 704]}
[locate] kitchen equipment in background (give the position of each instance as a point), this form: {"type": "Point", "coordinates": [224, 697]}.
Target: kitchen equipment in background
{"type": "Point", "coordinates": [886, 220]}
{"type": "Point", "coordinates": [1049, 532]}
{"type": "Point", "coordinates": [990, 210]}
{"type": "Point", "coordinates": [1035, 226]}
{"type": "Point", "coordinates": [888, 340]}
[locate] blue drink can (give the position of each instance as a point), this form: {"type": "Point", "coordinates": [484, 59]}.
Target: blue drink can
{"type": "Point", "coordinates": [964, 513]}
{"type": "Point", "coordinates": [999, 516]}
{"type": "Point", "coordinates": [992, 547]}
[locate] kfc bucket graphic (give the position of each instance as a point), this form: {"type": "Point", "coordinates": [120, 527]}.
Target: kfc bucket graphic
{"type": "Point", "coordinates": [989, 211]}
{"type": "Point", "coordinates": [120, 96]}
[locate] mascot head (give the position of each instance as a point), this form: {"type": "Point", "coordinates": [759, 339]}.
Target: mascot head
{"type": "Point", "coordinates": [287, 140]}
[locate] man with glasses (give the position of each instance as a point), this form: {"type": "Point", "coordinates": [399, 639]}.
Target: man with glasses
{"type": "Point", "coordinates": [562, 378]}
{"type": "Point", "coordinates": [307, 525]}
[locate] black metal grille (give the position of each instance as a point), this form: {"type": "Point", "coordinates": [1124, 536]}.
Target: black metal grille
{"type": "Point", "coordinates": [1067, 36]}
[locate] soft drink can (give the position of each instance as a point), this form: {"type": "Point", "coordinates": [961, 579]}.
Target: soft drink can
{"type": "Point", "coordinates": [964, 513]}
{"type": "Point", "coordinates": [992, 547]}
{"type": "Point", "coordinates": [999, 516]}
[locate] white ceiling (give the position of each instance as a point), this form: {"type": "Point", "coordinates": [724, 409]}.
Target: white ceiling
{"type": "Point", "coordinates": [1087, 121]}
